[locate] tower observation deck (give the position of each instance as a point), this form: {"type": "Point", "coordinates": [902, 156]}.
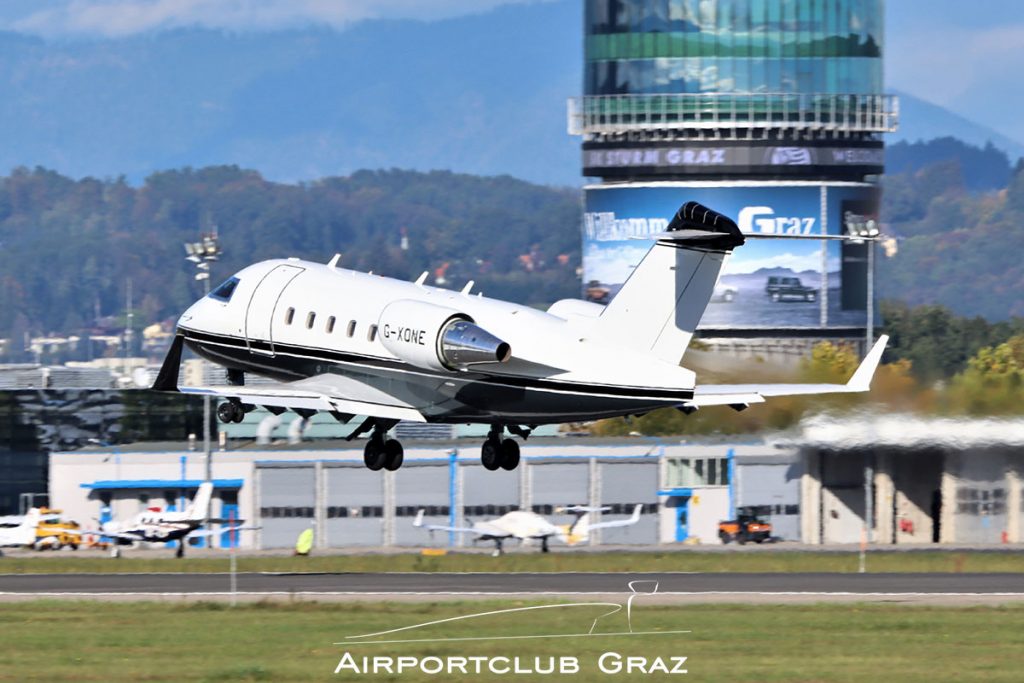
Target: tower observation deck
{"type": "Point", "coordinates": [712, 88]}
{"type": "Point", "coordinates": [771, 111]}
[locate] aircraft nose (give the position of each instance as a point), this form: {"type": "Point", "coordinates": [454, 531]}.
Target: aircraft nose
{"type": "Point", "coordinates": [191, 315]}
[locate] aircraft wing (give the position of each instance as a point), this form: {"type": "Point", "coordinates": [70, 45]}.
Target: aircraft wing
{"type": "Point", "coordinates": [205, 533]}
{"type": "Point", "coordinates": [331, 393]}
{"type": "Point", "coordinates": [746, 394]}
{"type": "Point", "coordinates": [482, 529]}
{"type": "Point", "coordinates": [629, 521]}
{"type": "Point", "coordinates": [107, 534]}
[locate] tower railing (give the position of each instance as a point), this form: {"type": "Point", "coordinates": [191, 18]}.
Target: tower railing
{"type": "Point", "coordinates": [815, 112]}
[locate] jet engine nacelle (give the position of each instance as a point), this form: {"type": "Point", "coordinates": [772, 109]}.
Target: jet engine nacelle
{"type": "Point", "coordinates": [437, 337]}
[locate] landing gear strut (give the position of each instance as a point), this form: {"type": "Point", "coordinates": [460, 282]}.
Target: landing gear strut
{"type": "Point", "coordinates": [497, 453]}
{"type": "Point", "coordinates": [381, 452]}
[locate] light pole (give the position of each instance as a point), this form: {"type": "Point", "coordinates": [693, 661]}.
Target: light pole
{"type": "Point", "coordinates": [867, 229]}
{"type": "Point", "coordinates": [202, 253]}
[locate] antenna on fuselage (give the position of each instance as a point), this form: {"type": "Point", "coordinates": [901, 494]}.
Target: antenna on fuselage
{"type": "Point", "coordinates": [333, 263]}
{"type": "Point", "coordinates": [422, 278]}
{"type": "Point", "coordinates": [469, 286]}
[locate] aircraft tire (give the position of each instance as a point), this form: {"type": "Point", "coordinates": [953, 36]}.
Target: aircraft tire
{"type": "Point", "coordinates": [227, 411]}
{"type": "Point", "coordinates": [374, 455]}
{"type": "Point", "coordinates": [490, 455]}
{"type": "Point", "coordinates": [509, 455]}
{"type": "Point", "coordinates": [394, 455]}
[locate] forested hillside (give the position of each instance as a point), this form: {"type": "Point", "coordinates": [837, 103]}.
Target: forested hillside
{"type": "Point", "coordinates": [957, 247]}
{"type": "Point", "coordinates": [67, 247]}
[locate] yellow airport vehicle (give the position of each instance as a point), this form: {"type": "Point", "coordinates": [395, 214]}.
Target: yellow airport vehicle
{"type": "Point", "coordinates": [53, 532]}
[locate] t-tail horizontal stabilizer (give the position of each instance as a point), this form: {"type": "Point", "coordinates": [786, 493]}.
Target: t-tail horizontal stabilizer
{"type": "Point", "coordinates": [658, 308]}
{"type": "Point", "coordinates": [746, 394]}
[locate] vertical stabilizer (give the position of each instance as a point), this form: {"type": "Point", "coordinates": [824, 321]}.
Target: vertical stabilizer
{"type": "Point", "coordinates": [658, 308]}
{"type": "Point", "coordinates": [200, 507]}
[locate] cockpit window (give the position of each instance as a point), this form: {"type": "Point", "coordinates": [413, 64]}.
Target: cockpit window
{"type": "Point", "coordinates": [225, 289]}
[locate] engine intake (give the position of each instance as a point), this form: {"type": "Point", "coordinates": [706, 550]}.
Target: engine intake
{"type": "Point", "coordinates": [438, 337]}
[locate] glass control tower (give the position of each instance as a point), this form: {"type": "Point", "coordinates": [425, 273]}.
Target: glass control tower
{"type": "Point", "coordinates": [772, 111]}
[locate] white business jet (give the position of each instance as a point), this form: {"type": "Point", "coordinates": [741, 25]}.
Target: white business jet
{"type": "Point", "coordinates": [162, 526]}
{"type": "Point", "coordinates": [22, 535]}
{"type": "Point", "coordinates": [350, 343]}
{"type": "Point", "coordinates": [526, 525]}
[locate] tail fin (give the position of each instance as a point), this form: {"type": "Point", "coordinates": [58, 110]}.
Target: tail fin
{"type": "Point", "coordinates": [660, 305]}
{"type": "Point", "coordinates": [200, 507]}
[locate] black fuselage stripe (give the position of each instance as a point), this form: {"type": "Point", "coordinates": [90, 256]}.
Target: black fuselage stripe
{"type": "Point", "coordinates": [327, 355]}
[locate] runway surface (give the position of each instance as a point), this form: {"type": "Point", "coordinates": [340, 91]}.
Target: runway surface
{"type": "Point", "coordinates": [671, 587]}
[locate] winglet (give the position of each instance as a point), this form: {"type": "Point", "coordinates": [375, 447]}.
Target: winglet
{"type": "Point", "coordinates": [419, 518]}
{"type": "Point", "coordinates": [167, 379]}
{"type": "Point", "coordinates": [636, 513]}
{"type": "Point", "coordinates": [861, 380]}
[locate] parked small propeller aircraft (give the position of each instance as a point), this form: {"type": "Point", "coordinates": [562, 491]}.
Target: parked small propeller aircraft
{"type": "Point", "coordinates": [24, 534]}
{"type": "Point", "coordinates": [162, 526]}
{"type": "Point", "coordinates": [350, 343]}
{"type": "Point", "coordinates": [525, 525]}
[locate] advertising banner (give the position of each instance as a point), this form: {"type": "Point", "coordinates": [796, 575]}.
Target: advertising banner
{"type": "Point", "coordinates": [765, 283]}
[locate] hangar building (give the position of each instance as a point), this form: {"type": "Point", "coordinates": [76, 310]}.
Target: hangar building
{"type": "Point", "coordinates": [912, 480]}
{"type": "Point", "coordinates": [685, 489]}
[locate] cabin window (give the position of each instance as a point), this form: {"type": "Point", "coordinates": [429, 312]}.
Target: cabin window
{"type": "Point", "coordinates": [372, 334]}
{"type": "Point", "coordinates": [330, 325]}
{"type": "Point", "coordinates": [289, 316]}
{"type": "Point", "coordinates": [310, 319]}
{"type": "Point", "coordinates": [224, 290]}
{"type": "Point", "coordinates": [351, 327]}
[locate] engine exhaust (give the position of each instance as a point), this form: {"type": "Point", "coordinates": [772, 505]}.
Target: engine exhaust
{"type": "Point", "coordinates": [462, 343]}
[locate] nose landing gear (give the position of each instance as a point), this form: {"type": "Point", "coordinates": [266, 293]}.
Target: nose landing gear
{"type": "Point", "coordinates": [498, 453]}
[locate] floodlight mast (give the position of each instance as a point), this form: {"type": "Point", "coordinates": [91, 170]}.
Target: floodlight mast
{"type": "Point", "coordinates": [871, 234]}
{"type": "Point", "coordinates": [202, 253]}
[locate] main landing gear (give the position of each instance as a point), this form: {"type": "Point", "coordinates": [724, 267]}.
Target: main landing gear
{"type": "Point", "coordinates": [380, 452]}
{"type": "Point", "coordinates": [498, 453]}
{"type": "Point", "coordinates": [233, 411]}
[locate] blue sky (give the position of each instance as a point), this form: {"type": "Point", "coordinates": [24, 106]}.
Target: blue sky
{"type": "Point", "coordinates": [965, 56]}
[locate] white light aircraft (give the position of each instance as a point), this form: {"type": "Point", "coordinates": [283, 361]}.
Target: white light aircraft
{"type": "Point", "coordinates": [526, 525]}
{"type": "Point", "coordinates": [350, 343]}
{"type": "Point", "coordinates": [24, 534]}
{"type": "Point", "coordinates": [162, 526]}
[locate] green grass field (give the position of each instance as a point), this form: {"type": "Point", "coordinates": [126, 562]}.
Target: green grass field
{"type": "Point", "coordinates": [565, 561]}
{"type": "Point", "coordinates": [49, 641]}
